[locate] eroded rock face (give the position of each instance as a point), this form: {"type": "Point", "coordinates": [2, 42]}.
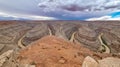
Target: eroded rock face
{"type": "Point", "coordinates": [39, 31]}
{"type": "Point", "coordinates": [109, 62]}
{"type": "Point", "coordinates": [51, 51]}
{"type": "Point", "coordinates": [10, 33]}
{"type": "Point", "coordinates": [106, 62]}
{"type": "Point", "coordinates": [68, 43]}
{"type": "Point", "coordinates": [5, 56]}
{"type": "Point", "coordinates": [84, 33]}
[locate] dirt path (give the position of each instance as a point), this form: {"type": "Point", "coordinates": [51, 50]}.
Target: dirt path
{"type": "Point", "coordinates": [104, 48]}
{"type": "Point", "coordinates": [20, 44]}
{"type": "Point", "coordinates": [72, 37]}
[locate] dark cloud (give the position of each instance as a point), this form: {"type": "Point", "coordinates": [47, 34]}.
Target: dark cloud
{"type": "Point", "coordinates": [74, 7]}
{"type": "Point", "coordinates": [61, 9]}
{"type": "Point", "coordinates": [79, 8]}
{"type": "Point", "coordinates": [80, 5]}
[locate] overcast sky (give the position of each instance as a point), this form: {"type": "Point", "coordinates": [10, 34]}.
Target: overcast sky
{"type": "Point", "coordinates": [59, 9]}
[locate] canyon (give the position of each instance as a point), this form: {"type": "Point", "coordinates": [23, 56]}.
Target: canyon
{"type": "Point", "coordinates": [96, 37]}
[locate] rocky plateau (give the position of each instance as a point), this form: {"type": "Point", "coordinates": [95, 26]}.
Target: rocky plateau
{"type": "Point", "coordinates": [59, 43]}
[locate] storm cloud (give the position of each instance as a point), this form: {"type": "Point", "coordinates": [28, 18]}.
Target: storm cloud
{"type": "Point", "coordinates": [60, 9]}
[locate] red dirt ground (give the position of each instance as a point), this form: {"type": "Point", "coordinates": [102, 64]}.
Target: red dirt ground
{"type": "Point", "coordinates": [51, 51]}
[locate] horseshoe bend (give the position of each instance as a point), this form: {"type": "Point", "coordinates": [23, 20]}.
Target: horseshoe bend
{"type": "Point", "coordinates": [60, 43]}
